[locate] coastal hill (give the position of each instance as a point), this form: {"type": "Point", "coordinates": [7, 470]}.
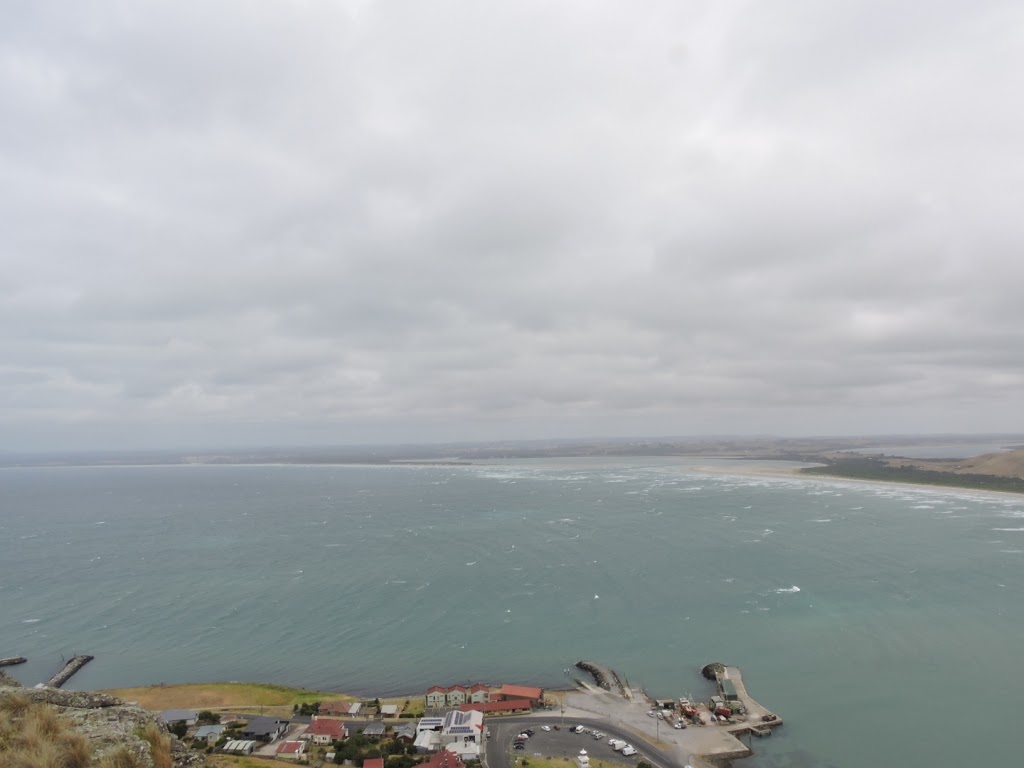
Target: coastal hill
{"type": "Point", "coordinates": [1008, 464]}
{"type": "Point", "coordinates": [989, 471]}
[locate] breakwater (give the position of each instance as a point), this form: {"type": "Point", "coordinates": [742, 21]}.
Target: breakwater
{"type": "Point", "coordinates": [604, 676]}
{"type": "Point", "coordinates": [12, 660]}
{"type": "Point", "coordinates": [70, 669]}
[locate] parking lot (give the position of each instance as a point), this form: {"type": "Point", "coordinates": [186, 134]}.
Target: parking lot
{"type": "Point", "coordinates": [556, 743]}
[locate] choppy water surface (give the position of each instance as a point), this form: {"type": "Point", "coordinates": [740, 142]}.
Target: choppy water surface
{"type": "Point", "coordinates": [877, 620]}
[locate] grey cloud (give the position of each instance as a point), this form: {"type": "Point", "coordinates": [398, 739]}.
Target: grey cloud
{"type": "Point", "coordinates": [454, 220]}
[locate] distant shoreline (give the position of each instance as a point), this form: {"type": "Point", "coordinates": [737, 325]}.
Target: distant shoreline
{"type": "Point", "coordinates": [800, 474]}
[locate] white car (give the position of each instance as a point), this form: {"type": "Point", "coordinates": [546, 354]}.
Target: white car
{"type": "Point", "coordinates": [628, 750]}
{"type": "Point", "coordinates": [545, 727]}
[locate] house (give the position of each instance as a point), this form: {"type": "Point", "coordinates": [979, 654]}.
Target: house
{"type": "Point", "coordinates": [375, 730]}
{"type": "Point", "coordinates": [335, 707]}
{"type": "Point", "coordinates": [462, 734]}
{"type": "Point", "coordinates": [430, 723]}
{"type": "Point", "coordinates": [264, 728]}
{"type": "Point", "coordinates": [405, 733]}
{"type": "Point", "coordinates": [324, 730]}
{"type": "Point", "coordinates": [374, 762]}
{"type": "Point", "coordinates": [455, 696]}
{"type": "Point", "coordinates": [186, 716]}
{"type": "Point", "coordinates": [291, 750]}
{"type": "Point", "coordinates": [239, 747]}
{"type": "Point", "coordinates": [507, 692]}
{"type": "Point", "coordinates": [209, 733]}
{"type": "Point", "coordinates": [444, 759]}
{"type": "Point", "coordinates": [511, 707]}
{"type": "Point", "coordinates": [340, 708]}
{"type": "Point", "coordinates": [389, 710]}
{"type": "Point", "coordinates": [427, 741]}
{"type": "Point", "coordinates": [478, 693]}
{"type": "Point", "coordinates": [436, 696]}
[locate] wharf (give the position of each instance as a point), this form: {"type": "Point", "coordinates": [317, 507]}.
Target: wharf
{"type": "Point", "coordinates": [758, 716]}
{"type": "Point", "coordinates": [70, 669]}
{"type": "Point", "coordinates": [705, 745]}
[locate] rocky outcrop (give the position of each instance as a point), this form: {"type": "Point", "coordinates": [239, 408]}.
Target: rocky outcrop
{"type": "Point", "coordinates": [713, 670]}
{"type": "Point", "coordinates": [108, 723]}
{"type": "Point", "coordinates": [6, 681]}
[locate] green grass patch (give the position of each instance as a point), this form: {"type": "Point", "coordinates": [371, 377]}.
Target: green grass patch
{"type": "Point", "coordinates": [221, 696]}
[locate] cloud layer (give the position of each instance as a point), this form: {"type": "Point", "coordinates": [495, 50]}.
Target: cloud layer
{"type": "Point", "coordinates": [232, 222]}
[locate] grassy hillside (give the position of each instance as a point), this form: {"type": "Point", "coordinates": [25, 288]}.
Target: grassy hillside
{"type": "Point", "coordinates": [915, 471]}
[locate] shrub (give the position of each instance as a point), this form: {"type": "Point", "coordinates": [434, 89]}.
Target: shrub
{"type": "Point", "coordinates": [122, 758]}
{"type": "Point", "coordinates": [159, 746]}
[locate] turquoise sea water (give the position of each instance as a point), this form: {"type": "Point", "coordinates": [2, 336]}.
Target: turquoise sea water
{"type": "Point", "coordinates": [884, 623]}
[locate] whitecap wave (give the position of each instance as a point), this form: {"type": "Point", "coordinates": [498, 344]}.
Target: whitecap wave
{"type": "Point", "coordinates": [794, 588]}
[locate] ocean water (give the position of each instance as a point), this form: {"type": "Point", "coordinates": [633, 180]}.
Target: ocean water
{"type": "Point", "coordinates": [884, 623]}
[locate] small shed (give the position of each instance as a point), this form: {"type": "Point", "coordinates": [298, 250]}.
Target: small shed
{"type": "Point", "coordinates": [729, 690]}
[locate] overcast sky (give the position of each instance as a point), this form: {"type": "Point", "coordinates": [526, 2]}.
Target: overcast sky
{"type": "Point", "coordinates": [316, 221]}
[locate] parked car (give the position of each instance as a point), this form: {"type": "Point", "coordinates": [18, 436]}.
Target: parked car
{"type": "Point", "coordinates": [546, 727]}
{"type": "Point", "coordinates": [628, 750]}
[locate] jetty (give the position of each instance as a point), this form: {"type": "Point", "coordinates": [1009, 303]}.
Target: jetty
{"type": "Point", "coordinates": [10, 661]}
{"type": "Point", "coordinates": [70, 669]}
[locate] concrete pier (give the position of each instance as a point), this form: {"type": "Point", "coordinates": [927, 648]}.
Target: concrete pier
{"type": "Point", "coordinates": [69, 669]}
{"type": "Point", "coordinates": [757, 716]}
{"type": "Point", "coordinates": [12, 660]}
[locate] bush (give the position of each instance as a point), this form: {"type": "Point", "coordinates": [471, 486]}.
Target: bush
{"type": "Point", "coordinates": [178, 728]}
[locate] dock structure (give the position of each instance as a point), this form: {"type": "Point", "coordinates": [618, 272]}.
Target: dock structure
{"type": "Point", "coordinates": [760, 719]}
{"type": "Point", "coordinates": [602, 675]}
{"type": "Point", "coordinates": [10, 661]}
{"type": "Point", "coordinates": [70, 669]}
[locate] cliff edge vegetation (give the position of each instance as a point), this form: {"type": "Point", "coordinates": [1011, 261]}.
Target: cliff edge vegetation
{"type": "Point", "coordinates": [51, 728]}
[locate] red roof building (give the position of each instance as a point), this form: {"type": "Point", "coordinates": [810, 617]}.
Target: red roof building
{"type": "Point", "coordinates": [335, 707]}
{"type": "Point", "coordinates": [291, 748]}
{"type": "Point", "coordinates": [478, 692]}
{"type": "Point", "coordinates": [323, 730]}
{"type": "Point", "coordinates": [518, 692]}
{"type": "Point", "coordinates": [374, 762]}
{"type": "Point", "coordinates": [494, 707]}
{"type": "Point", "coordinates": [442, 759]}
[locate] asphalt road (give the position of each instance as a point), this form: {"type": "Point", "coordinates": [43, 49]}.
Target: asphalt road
{"type": "Point", "coordinates": [563, 743]}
